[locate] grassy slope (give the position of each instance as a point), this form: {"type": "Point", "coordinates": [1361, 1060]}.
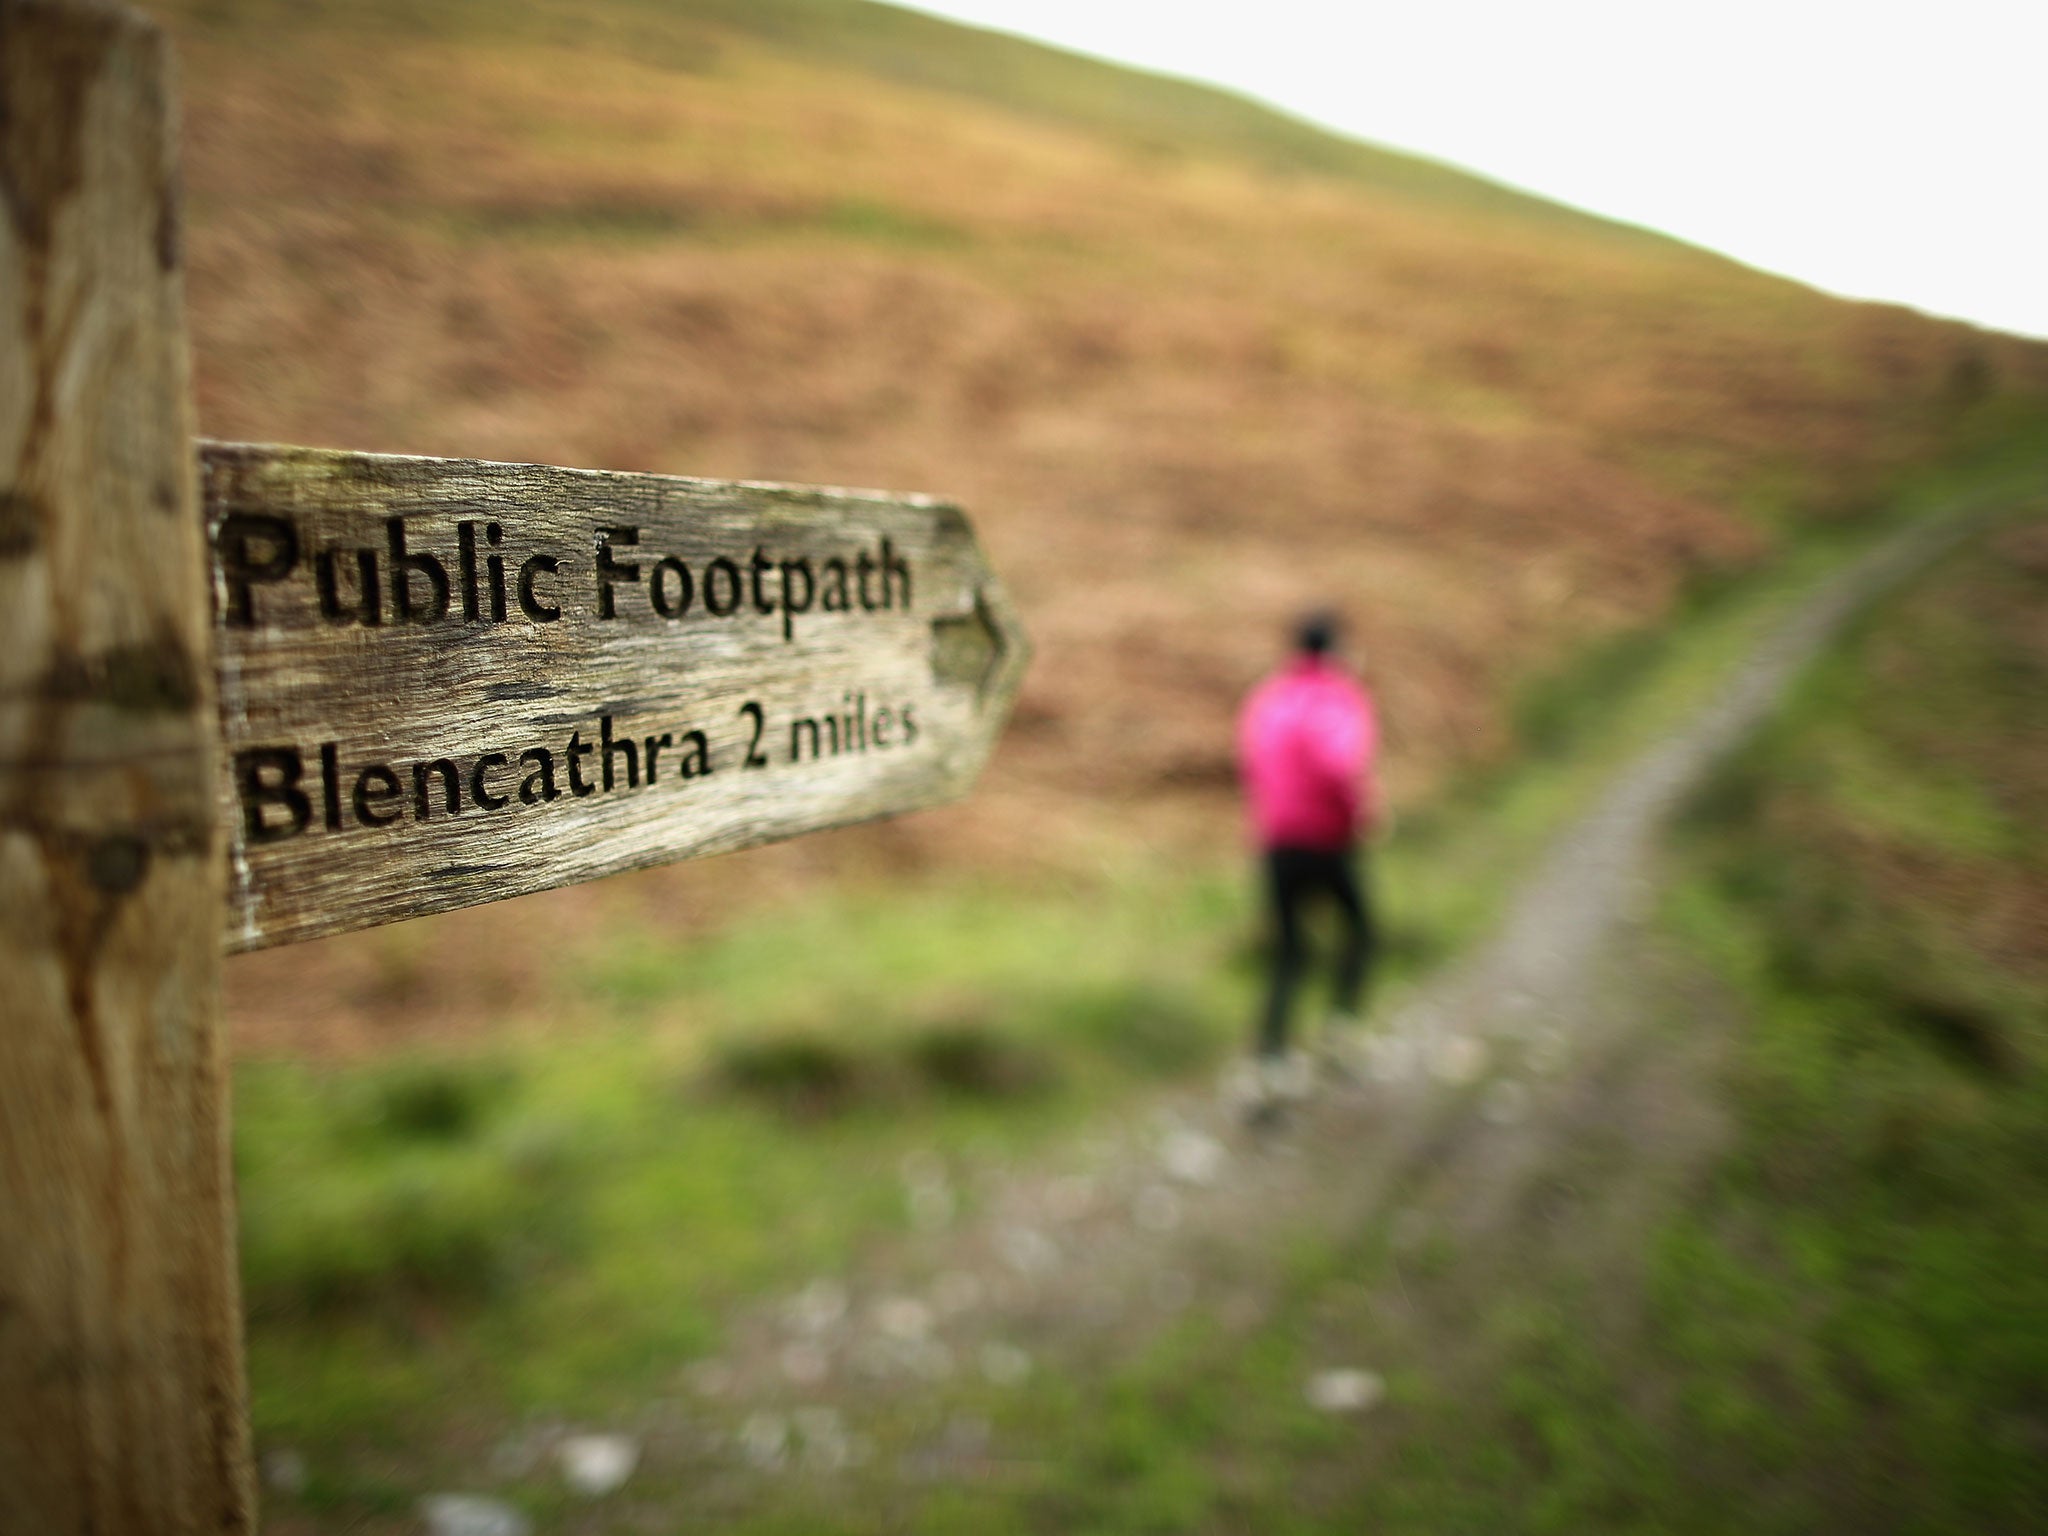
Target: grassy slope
{"type": "Point", "coordinates": [1165, 117]}
{"type": "Point", "coordinates": [1170, 118]}
{"type": "Point", "coordinates": [1876, 880]}
{"type": "Point", "coordinates": [556, 1222]}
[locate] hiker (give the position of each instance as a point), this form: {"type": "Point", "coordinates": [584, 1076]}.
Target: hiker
{"type": "Point", "coordinates": [1305, 746]}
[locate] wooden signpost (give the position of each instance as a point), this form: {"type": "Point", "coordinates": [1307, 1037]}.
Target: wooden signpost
{"type": "Point", "coordinates": [250, 695]}
{"type": "Point", "coordinates": [445, 682]}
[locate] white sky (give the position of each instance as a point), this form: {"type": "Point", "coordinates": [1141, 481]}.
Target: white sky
{"type": "Point", "coordinates": [1877, 149]}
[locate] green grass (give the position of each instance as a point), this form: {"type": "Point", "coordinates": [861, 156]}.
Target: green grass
{"type": "Point", "coordinates": [437, 1246]}
{"type": "Point", "coordinates": [1879, 1240]}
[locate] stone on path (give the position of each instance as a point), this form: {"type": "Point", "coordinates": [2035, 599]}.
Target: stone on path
{"type": "Point", "coordinates": [1291, 1079]}
{"type": "Point", "coordinates": [1027, 1250]}
{"type": "Point", "coordinates": [805, 1364]}
{"type": "Point", "coordinates": [1192, 1157]}
{"type": "Point", "coordinates": [1070, 1198]}
{"type": "Point", "coordinates": [818, 1307]}
{"type": "Point", "coordinates": [464, 1514]}
{"type": "Point", "coordinates": [1505, 1103]}
{"type": "Point", "coordinates": [764, 1440]}
{"type": "Point", "coordinates": [957, 1291]}
{"type": "Point", "coordinates": [903, 1318]}
{"type": "Point", "coordinates": [1345, 1391]}
{"type": "Point", "coordinates": [1391, 1058]}
{"type": "Point", "coordinates": [1459, 1059]}
{"type": "Point", "coordinates": [1004, 1365]}
{"type": "Point", "coordinates": [595, 1465]}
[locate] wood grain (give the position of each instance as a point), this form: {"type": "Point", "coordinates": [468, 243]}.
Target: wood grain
{"type": "Point", "coordinates": [121, 1391]}
{"type": "Point", "coordinates": [838, 655]}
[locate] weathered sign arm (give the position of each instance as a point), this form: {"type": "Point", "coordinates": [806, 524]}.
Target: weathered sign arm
{"type": "Point", "coordinates": [444, 682]}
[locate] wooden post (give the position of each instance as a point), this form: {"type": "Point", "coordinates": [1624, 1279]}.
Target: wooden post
{"type": "Point", "coordinates": [122, 1404]}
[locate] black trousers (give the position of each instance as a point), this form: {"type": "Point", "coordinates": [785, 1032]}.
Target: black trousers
{"type": "Point", "coordinates": [1297, 878]}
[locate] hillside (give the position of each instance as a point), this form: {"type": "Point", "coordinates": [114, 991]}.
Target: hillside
{"type": "Point", "coordinates": [1191, 364]}
{"type": "Point", "coordinates": [928, 1234]}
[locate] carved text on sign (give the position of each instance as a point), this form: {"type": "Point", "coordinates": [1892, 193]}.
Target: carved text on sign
{"type": "Point", "coordinates": [445, 681]}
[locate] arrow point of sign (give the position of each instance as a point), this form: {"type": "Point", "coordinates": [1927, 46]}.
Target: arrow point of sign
{"type": "Point", "coordinates": [985, 647]}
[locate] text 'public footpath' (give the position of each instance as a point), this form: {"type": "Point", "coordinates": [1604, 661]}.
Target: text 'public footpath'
{"type": "Point", "coordinates": [400, 583]}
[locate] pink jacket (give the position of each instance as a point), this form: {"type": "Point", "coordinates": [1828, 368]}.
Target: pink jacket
{"type": "Point", "coordinates": [1304, 750]}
